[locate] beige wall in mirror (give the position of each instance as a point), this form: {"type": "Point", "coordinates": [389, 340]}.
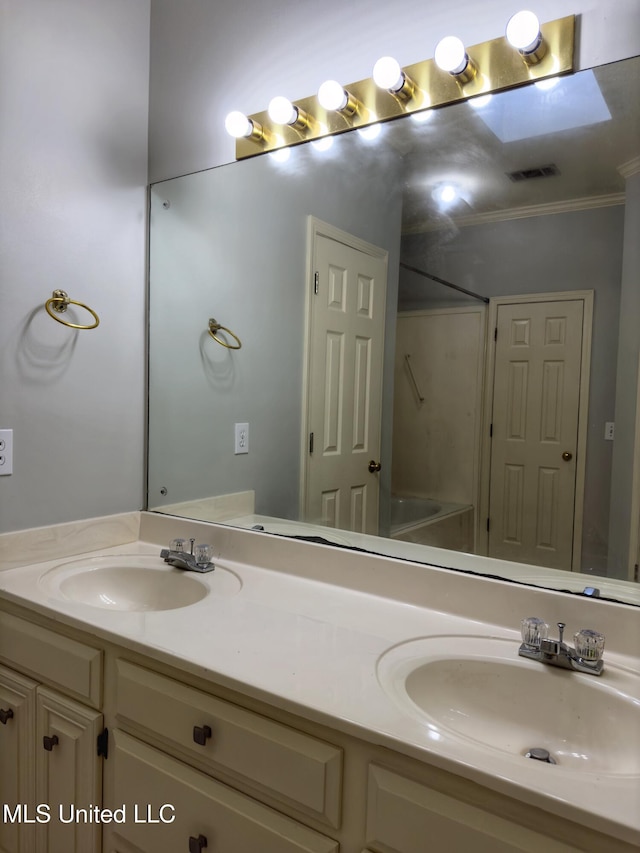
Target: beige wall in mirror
{"type": "Point", "coordinates": [516, 455]}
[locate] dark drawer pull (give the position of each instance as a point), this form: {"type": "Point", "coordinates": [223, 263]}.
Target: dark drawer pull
{"type": "Point", "coordinates": [5, 715]}
{"type": "Point", "coordinates": [49, 742]}
{"type": "Point", "coordinates": [200, 736]}
{"type": "Point", "coordinates": [197, 844]}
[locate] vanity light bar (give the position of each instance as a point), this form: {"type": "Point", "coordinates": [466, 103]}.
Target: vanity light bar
{"type": "Point", "coordinates": [496, 64]}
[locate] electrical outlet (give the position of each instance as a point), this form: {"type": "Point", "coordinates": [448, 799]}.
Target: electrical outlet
{"type": "Point", "coordinates": [6, 452]}
{"type": "Point", "coordinates": [241, 438]}
{"type": "Point", "coordinates": [609, 430]}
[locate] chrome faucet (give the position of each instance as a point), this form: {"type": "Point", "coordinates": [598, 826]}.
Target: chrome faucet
{"type": "Point", "coordinates": [197, 559]}
{"type": "Point", "coordinates": [585, 657]}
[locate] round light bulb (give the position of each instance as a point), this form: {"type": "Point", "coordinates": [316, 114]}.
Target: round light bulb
{"type": "Point", "coordinates": [238, 125]}
{"type": "Point", "coordinates": [282, 111]}
{"type": "Point", "coordinates": [480, 102]}
{"type": "Point", "coordinates": [448, 193]}
{"type": "Point", "coordinates": [523, 31]}
{"type": "Point", "coordinates": [445, 194]}
{"type": "Point", "coordinates": [324, 143]}
{"type": "Point", "coordinates": [450, 55]}
{"type": "Point", "coordinates": [547, 84]}
{"type": "Point", "coordinates": [332, 95]}
{"type": "Point", "coordinates": [423, 116]}
{"type": "Point", "coordinates": [371, 131]}
{"type": "Point", "coordinates": [387, 74]}
{"type": "Point", "coordinates": [280, 155]}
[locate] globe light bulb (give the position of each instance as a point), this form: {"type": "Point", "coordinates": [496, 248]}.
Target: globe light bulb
{"type": "Point", "coordinates": [282, 111]}
{"type": "Point", "coordinates": [445, 194]}
{"type": "Point", "coordinates": [450, 55]}
{"type": "Point", "coordinates": [322, 144]}
{"type": "Point", "coordinates": [238, 125]}
{"type": "Point", "coordinates": [332, 95]}
{"type": "Point", "coordinates": [523, 31]}
{"type": "Point", "coordinates": [387, 74]}
{"type": "Point", "coordinates": [371, 131]}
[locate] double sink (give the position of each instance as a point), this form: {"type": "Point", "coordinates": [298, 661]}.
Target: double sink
{"type": "Point", "coordinates": [473, 691]}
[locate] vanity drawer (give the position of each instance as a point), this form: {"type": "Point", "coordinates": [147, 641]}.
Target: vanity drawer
{"type": "Point", "coordinates": [59, 661]}
{"type": "Point", "coordinates": [166, 802]}
{"type": "Point", "coordinates": [273, 759]}
{"type": "Point", "coordinates": [404, 816]}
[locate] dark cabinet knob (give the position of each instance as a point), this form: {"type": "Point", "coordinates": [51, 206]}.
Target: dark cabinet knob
{"type": "Point", "coordinates": [197, 844]}
{"type": "Point", "coordinates": [5, 714]}
{"type": "Point", "coordinates": [201, 734]}
{"type": "Point", "coordinates": [49, 742]}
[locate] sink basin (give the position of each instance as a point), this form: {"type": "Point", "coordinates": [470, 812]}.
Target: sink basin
{"type": "Point", "coordinates": [479, 692]}
{"type": "Point", "coordinates": [133, 583]}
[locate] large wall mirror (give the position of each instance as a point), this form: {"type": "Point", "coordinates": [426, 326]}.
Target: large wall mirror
{"type": "Point", "coordinates": [429, 343]}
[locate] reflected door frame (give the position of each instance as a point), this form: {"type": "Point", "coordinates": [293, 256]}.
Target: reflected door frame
{"type": "Point", "coordinates": [317, 229]}
{"type": "Point", "coordinates": [587, 297]}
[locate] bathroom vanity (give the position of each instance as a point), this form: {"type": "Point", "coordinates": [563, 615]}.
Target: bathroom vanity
{"type": "Point", "coordinates": [270, 708]}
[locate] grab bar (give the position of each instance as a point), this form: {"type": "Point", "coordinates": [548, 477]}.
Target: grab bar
{"type": "Point", "coordinates": [413, 378]}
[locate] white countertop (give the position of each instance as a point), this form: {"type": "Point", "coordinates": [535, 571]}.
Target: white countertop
{"type": "Point", "coordinates": [312, 647]}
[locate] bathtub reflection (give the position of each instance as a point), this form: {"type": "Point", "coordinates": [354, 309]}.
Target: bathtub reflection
{"type": "Point", "coordinates": [431, 522]}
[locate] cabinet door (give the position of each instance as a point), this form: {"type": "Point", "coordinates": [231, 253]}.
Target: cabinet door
{"type": "Point", "coordinates": [404, 816]}
{"type": "Point", "coordinates": [17, 779]}
{"type": "Point", "coordinates": [169, 806]}
{"type": "Point", "coordinates": [68, 773]}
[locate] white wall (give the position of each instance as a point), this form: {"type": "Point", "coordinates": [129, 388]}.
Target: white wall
{"type": "Point", "coordinates": [73, 150]}
{"type": "Point", "coordinates": [621, 518]}
{"type": "Point", "coordinates": [73, 101]}
{"type": "Point", "coordinates": [484, 259]}
{"type": "Point", "coordinates": [208, 58]}
{"type": "Point", "coordinates": [202, 265]}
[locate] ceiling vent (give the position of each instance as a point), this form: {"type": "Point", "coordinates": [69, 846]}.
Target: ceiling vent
{"type": "Point", "coordinates": [538, 172]}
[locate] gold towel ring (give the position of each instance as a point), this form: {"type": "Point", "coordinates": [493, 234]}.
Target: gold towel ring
{"type": "Point", "coordinates": [59, 303]}
{"type": "Point", "coordinates": [214, 327]}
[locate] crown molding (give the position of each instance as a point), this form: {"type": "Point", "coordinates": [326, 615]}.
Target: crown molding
{"type": "Point", "coordinates": [630, 168]}
{"type": "Point", "coordinates": [548, 209]}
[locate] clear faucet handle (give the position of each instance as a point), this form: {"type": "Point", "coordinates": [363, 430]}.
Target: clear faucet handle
{"type": "Point", "coordinates": [533, 630]}
{"type": "Point", "coordinates": [589, 644]}
{"type": "Point", "coordinates": [177, 545]}
{"type": "Point", "coordinates": [203, 554]}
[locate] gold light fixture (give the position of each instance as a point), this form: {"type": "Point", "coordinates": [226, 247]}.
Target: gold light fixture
{"type": "Point", "coordinates": [529, 52]}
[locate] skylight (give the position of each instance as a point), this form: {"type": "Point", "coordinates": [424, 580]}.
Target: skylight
{"type": "Point", "coordinates": [576, 101]}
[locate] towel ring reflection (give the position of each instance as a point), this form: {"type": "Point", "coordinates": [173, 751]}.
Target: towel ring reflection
{"type": "Point", "coordinates": [59, 303]}
{"type": "Point", "coordinates": [214, 327]}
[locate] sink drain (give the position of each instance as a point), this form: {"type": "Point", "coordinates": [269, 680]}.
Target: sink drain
{"type": "Point", "coordinates": [540, 754]}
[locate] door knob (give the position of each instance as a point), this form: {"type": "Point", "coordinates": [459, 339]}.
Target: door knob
{"type": "Point", "coordinates": [567, 456]}
{"type": "Point", "coordinates": [374, 466]}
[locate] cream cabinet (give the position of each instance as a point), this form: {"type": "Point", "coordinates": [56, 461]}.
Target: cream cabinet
{"type": "Point", "coordinates": [212, 772]}
{"type": "Point", "coordinates": [169, 807]}
{"type": "Point", "coordinates": [48, 740]}
{"type": "Point", "coordinates": [17, 748]}
{"type": "Point", "coordinates": [405, 816]}
{"type": "Point", "coordinates": [194, 766]}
